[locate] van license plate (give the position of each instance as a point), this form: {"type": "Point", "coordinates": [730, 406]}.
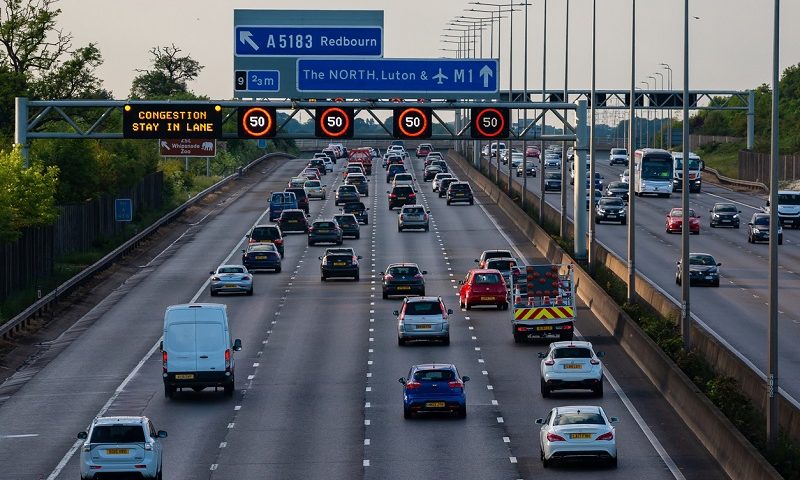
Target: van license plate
{"type": "Point", "coordinates": [184, 376]}
{"type": "Point", "coordinates": [117, 451]}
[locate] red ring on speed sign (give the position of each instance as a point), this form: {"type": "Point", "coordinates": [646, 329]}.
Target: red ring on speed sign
{"type": "Point", "coordinates": [267, 125]}
{"type": "Point", "coordinates": [500, 124]}
{"type": "Point", "coordinates": [345, 124]}
{"type": "Point", "coordinates": [422, 128]}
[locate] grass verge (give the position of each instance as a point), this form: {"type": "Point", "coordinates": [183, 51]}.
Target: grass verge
{"type": "Point", "coordinates": [724, 157]}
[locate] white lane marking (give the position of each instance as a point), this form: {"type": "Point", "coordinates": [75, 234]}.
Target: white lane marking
{"type": "Point", "coordinates": [20, 435]}
{"type": "Point", "coordinates": [223, 444]}
{"type": "Point", "coordinates": [734, 201]}
{"type": "Point", "coordinates": [513, 459]}
{"type": "Point", "coordinates": [231, 425]}
{"type": "Point", "coordinates": [500, 420]}
{"type": "Point", "coordinates": [506, 440]}
{"type": "Point", "coordinates": [480, 360]}
{"type": "Point", "coordinates": [369, 389]}
{"type": "Point", "coordinates": [213, 466]}
{"type": "Point", "coordinates": [625, 400]}
{"type": "Point", "coordinates": [366, 463]}
{"type": "Point", "coordinates": [494, 402]}
{"type": "Point", "coordinates": [489, 387]}
{"type": "Point", "coordinates": [237, 407]}
{"type": "Point", "coordinates": [257, 364]}
{"type": "Point", "coordinates": [367, 405]}
{"type": "Point", "coordinates": [366, 422]}
{"type": "Point", "coordinates": [366, 441]}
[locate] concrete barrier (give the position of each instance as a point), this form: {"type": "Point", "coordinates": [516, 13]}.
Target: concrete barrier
{"type": "Point", "coordinates": [732, 450]}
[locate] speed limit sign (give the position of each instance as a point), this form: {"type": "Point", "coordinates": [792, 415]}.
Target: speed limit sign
{"type": "Point", "coordinates": [257, 122]}
{"type": "Point", "coordinates": [490, 122]}
{"type": "Point", "coordinates": [412, 123]}
{"type": "Point", "coordinates": [334, 122]}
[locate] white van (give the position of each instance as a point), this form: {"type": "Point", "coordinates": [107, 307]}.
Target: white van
{"type": "Point", "coordinates": [197, 350]}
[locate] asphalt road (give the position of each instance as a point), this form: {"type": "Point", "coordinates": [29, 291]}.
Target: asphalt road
{"type": "Point", "coordinates": [317, 393]}
{"type": "Point", "coordinates": [738, 309]}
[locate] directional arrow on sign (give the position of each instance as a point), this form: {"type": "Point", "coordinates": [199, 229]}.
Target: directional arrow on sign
{"type": "Point", "coordinates": [246, 37]}
{"type": "Point", "coordinates": [486, 72]}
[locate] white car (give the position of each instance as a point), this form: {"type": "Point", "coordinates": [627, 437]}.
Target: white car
{"type": "Point", "coordinates": [437, 180]}
{"type": "Point", "coordinates": [328, 164]}
{"type": "Point", "coordinates": [571, 365]}
{"type": "Point", "coordinates": [625, 176]}
{"type": "Point", "coordinates": [121, 445]}
{"type": "Point", "coordinates": [577, 433]}
{"type": "Point", "coordinates": [403, 179]}
{"type": "Point", "coordinates": [618, 155]}
{"type": "Point", "coordinates": [397, 150]}
{"type": "Point", "coordinates": [423, 318]}
{"type": "Point", "coordinates": [552, 160]}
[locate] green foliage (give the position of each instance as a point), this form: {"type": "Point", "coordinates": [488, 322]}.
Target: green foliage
{"type": "Point", "coordinates": [75, 78]}
{"type": "Point", "coordinates": [77, 164]}
{"type": "Point", "coordinates": [169, 74]}
{"type": "Point", "coordinates": [26, 195]}
{"type": "Point", "coordinates": [12, 84]}
{"type": "Point", "coordinates": [29, 35]}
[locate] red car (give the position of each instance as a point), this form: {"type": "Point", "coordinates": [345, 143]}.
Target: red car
{"type": "Point", "coordinates": [675, 219]}
{"type": "Point", "coordinates": [532, 151]}
{"type": "Point", "coordinates": [483, 286]}
{"type": "Point", "coordinates": [424, 149]}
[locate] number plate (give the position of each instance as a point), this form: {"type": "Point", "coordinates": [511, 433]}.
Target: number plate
{"type": "Point", "coordinates": [404, 288]}
{"type": "Point", "coordinates": [544, 328]}
{"type": "Point", "coordinates": [184, 376]}
{"type": "Point", "coordinates": [292, 221]}
{"type": "Point", "coordinates": [487, 299]}
{"type": "Point", "coordinates": [230, 286]}
{"type": "Point", "coordinates": [260, 257]}
{"type": "Point", "coordinates": [435, 404]}
{"type": "Point", "coordinates": [117, 451]}
{"type": "Point", "coordinates": [580, 436]}
{"type": "Point", "coordinates": [401, 198]}
{"type": "Point", "coordinates": [339, 264]}
{"type": "Point", "coordinates": [423, 327]}
{"type": "Point", "coordinates": [572, 365]}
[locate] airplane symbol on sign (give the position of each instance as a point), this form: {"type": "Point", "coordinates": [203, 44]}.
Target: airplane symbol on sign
{"type": "Point", "coordinates": [440, 77]}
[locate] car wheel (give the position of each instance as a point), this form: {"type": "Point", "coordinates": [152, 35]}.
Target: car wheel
{"type": "Point", "coordinates": [597, 219]}
{"type": "Point", "coordinates": [677, 280]}
{"type": "Point", "coordinates": [427, 228]}
{"type": "Point", "coordinates": [357, 277]}
{"type": "Point", "coordinates": [169, 391]}
{"type": "Point", "coordinates": [407, 413]}
{"type": "Point", "coordinates": [229, 389]}
{"type": "Point", "coordinates": [339, 242]}
{"type": "Point", "coordinates": [358, 235]}
{"type": "Point", "coordinates": [517, 336]}
{"type": "Point", "coordinates": [212, 293]}
{"type": "Point", "coordinates": [612, 463]}
{"type": "Point", "coordinates": [780, 240]}
{"type": "Point", "coordinates": [716, 283]}
{"type": "Point", "coordinates": [467, 305]}
{"type": "Point", "coordinates": [385, 296]}
{"type": "Point", "coordinates": [322, 278]}
{"type": "Point", "coordinates": [446, 340]}
{"type": "Point", "coordinates": [278, 270]}
{"type": "Point", "coordinates": [462, 412]}
{"type": "Point", "coordinates": [250, 292]}
{"type": "Point", "coordinates": [736, 226]}
{"type": "Point", "coordinates": [472, 202]}
{"type": "Point", "coordinates": [504, 306]}
{"type": "Point", "coordinates": [160, 474]}
{"type": "Point", "coordinates": [598, 390]}
{"type": "Point", "coordinates": [544, 388]}
{"type": "Point", "coordinates": [448, 202]}
{"type": "Point", "coordinates": [400, 341]}
{"type": "Point", "coordinates": [399, 228]}
{"type": "Point", "coordinates": [310, 243]}
{"type": "Point", "coordinates": [545, 462]}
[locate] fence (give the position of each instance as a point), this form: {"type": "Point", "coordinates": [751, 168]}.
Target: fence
{"type": "Point", "coordinates": [77, 228]}
{"type": "Point", "coordinates": [754, 166]}
{"type": "Point", "coordinates": [697, 141]}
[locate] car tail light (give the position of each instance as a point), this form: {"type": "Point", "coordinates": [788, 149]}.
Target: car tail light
{"type": "Point", "coordinates": [412, 385]}
{"type": "Point", "coordinates": [164, 361]}
{"type": "Point", "coordinates": [388, 277]}
{"type": "Point", "coordinates": [550, 362]}
{"type": "Point", "coordinates": [140, 465]}
{"type": "Point", "coordinates": [278, 241]}
{"type": "Point", "coordinates": [148, 447]}
{"type": "Point", "coordinates": [215, 279]}
{"type": "Point", "coordinates": [567, 327]}
{"type": "Point", "coordinates": [552, 437]}
{"type": "Point", "coordinates": [455, 384]}
{"type": "Point", "coordinates": [418, 276]}
{"type": "Point", "coordinates": [594, 361]}
{"type": "Point", "coordinates": [606, 436]}
{"type": "Point", "coordinates": [355, 259]}
{"type": "Point", "coordinates": [425, 217]}
{"type": "Point", "coordinates": [392, 195]}
{"type": "Point", "coordinates": [228, 360]}
{"type": "Point", "coordinates": [310, 229]}
{"type": "Point", "coordinates": [412, 195]}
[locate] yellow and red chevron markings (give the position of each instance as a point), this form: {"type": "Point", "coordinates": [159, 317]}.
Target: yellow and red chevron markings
{"type": "Point", "coordinates": [543, 313]}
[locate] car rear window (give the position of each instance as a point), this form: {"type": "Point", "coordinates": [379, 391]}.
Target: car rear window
{"type": "Point", "coordinates": [414, 210]}
{"type": "Point", "coordinates": [353, 207]}
{"type": "Point", "coordinates": [324, 225]}
{"type": "Point", "coordinates": [299, 193]}
{"type": "Point", "coordinates": [264, 233]}
{"type": "Point", "coordinates": [579, 418]}
{"type": "Point", "coordinates": [403, 190]}
{"type": "Point", "coordinates": [459, 186]}
{"type": "Point", "coordinates": [423, 308]}
{"type": "Point", "coordinates": [487, 278]}
{"type": "Point", "coordinates": [117, 434]}
{"type": "Point", "coordinates": [340, 258]}
{"type": "Point", "coordinates": [572, 352]}
{"type": "Point", "coordinates": [345, 220]}
{"type": "Point", "coordinates": [402, 176]}
{"type": "Point", "coordinates": [312, 183]}
{"type": "Point", "coordinates": [501, 264]}
{"type": "Point", "coordinates": [434, 375]}
{"type": "Point", "coordinates": [269, 247]}
{"type": "Point", "coordinates": [403, 271]}
{"type": "Point", "coordinates": [347, 188]}
{"type": "Point", "coordinates": [292, 215]}
{"type": "Point", "coordinates": [230, 270]}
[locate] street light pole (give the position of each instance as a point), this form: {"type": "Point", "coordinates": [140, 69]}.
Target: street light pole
{"type": "Point", "coordinates": [631, 294]}
{"type": "Point", "coordinates": [772, 329]}
{"type": "Point", "coordinates": [686, 327]}
{"type": "Point", "coordinates": [669, 110]}
{"type": "Point", "coordinates": [592, 120]}
{"type": "Point", "coordinates": [525, 112]}
{"type": "Point", "coordinates": [563, 193]}
{"type": "Point", "coordinates": [544, 115]}
{"type": "Point", "coordinates": [661, 114]}
{"type": "Point", "coordinates": [647, 112]}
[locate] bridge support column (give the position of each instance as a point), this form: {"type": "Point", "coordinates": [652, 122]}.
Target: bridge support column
{"type": "Point", "coordinates": [751, 119]}
{"type": "Point", "coordinates": [21, 126]}
{"type": "Point", "coordinates": [579, 212]}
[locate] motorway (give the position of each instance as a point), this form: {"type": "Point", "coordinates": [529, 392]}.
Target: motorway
{"type": "Point", "coordinates": [737, 310]}
{"type": "Point", "coordinates": [317, 393]}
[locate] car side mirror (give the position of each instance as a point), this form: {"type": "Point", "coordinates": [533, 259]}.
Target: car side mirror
{"type": "Point", "coordinates": [750, 223]}
{"type": "Point", "coordinates": [415, 190]}
{"type": "Point", "coordinates": [320, 258]}
{"type": "Point", "coordinates": [211, 272]}
{"type": "Point", "coordinates": [366, 208]}
{"type": "Point", "coordinates": [738, 211]}
{"type": "Point", "coordinates": [161, 345]}
{"type": "Point", "coordinates": [162, 434]}
{"type": "Point", "coordinates": [396, 313]}
{"type": "Point", "coordinates": [711, 211]}
{"type": "Point", "coordinates": [380, 273]}
{"type": "Point", "coordinates": [428, 212]}
{"type": "Point", "coordinates": [237, 345]}
{"type": "Point", "coordinates": [387, 191]}
{"type": "Point", "coordinates": [719, 264]}
{"type": "Point", "coordinates": [247, 236]}
{"type": "Point", "coordinates": [678, 262]}
{"type": "Point", "coordinates": [449, 311]}
{"type": "Point", "coordinates": [424, 272]}
{"type": "Point", "coordinates": [308, 215]}
{"type": "Point", "coordinates": [614, 419]}
{"type": "Point", "coordinates": [600, 354]}
{"type": "Point", "coordinates": [542, 355]}
{"type": "Point", "coordinates": [402, 380]}
{"type": "Point", "coordinates": [768, 203]}
{"type": "Point", "coordinates": [465, 379]}
{"type": "Point", "coordinates": [83, 435]}
{"type": "Point", "coordinates": [477, 261]}
{"type": "Point", "coordinates": [461, 282]}
{"type": "Point", "coordinates": [243, 250]}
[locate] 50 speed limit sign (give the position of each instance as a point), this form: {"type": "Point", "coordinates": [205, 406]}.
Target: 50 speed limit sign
{"type": "Point", "coordinates": [334, 122]}
{"type": "Point", "coordinates": [257, 122]}
{"type": "Point", "coordinates": [489, 122]}
{"type": "Point", "coordinates": [412, 123]}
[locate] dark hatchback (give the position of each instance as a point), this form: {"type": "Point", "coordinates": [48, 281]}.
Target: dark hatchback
{"type": "Point", "coordinates": [703, 270]}
{"type": "Point", "coordinates": [293, 220]}
{"type": "Point", "coordinates": [393, 170]}
{"type": "Point", "coordinates": [339, 265]}
{"type": "Point", "coordinates": [401, 195]}
{"type": "Point", "coordinates": [324, 231]}
{"type": "Point", "coordinates": [552, 181]}
{"type": "Point", "coordinates": [724, 215]}
{"type": "Point", "coordinates": [459, 192]}
{"type": "Point", "coordinates": [319, 164]}
{"type": "Point", "coordinates": [267, 234]}
{"type": "Point", "coordinates": [403, 279]}
{"type": "Point", "coordinates": [430, 172]}
{"type": "Point", "coordinates": [349, 225]}
{"type": "Point", "coordinates": [617, 189]}
{"type": "Point", "coordinates": [359, 210]}
{"type": "Point", "coordinates": [302, 198]}
{"type": "Point", "coordinates": [444, 184]}
{"type": "Point", "coordinates": [259, 256]}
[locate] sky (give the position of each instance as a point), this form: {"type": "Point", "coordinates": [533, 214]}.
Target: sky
{"type": "Point", "coordinates": [730, 41]}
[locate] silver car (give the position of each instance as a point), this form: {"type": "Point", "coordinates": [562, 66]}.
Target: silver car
{"type": "Point", "coordinates": [413, 216]}
{"type": "Point", "coordinates": [438, 179]}
{"type": "Point", "coordinates": [504, 264]}
{"type": "Point", "coordinates": [231, 279]}
{"type": "Point", "coordinates": [315, 189]}
{"type": "Point", "coordinates": [121, 445]}
{"type": "Point", "coordinates": [423, 318]}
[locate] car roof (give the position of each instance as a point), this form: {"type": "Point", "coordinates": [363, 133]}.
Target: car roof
{"type": "Point", "coordinates": [402, 264]}
{"type": "Point", "coordinates": [576, 343]}
{"type": "Point", "coordinates": [422, 299]}
{"type": "Point", "coordinates": [485, 270]}
{"type": "Point", "coordinates": [433, 366]}
{"type": "Point", "coordinates": [116, 420]}
{"type": "Point", "coordinates": [578, 408]}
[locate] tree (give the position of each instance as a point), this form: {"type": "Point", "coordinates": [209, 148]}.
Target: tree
{"type": "Point", "coordinates": [169, 74]}
{"type": "Point", "coordinates": [27, 196]}
{"type": "Point", "coordinates": [75, 78]}
{"type": "Point", "coordinates": [29, 35]}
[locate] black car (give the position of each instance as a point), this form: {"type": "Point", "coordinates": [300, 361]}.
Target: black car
{"type": "Point", "coordinates": [394, 169]}
{"type": "Point", "coordinates": [267, 234]}
{"type": "Point", "coordinates": [552, 181]}
{"type": "Point", "coordinates": [430, 172]}
{"type": "Point", "coordinates": [401, 195]}
{"type": "Point", "coordinates": [703, 269]}
{"type": "Point", "coordinates": [302, 198]}
{"type": "Point", "coordinates": [617, 189]}
{"type": "Point", "coordinates": [442, 165]}
{"type": "Point", "coordinates": [319, 164]}
{"type": "Point", "coordinates": [261, 256]}
{"type": "Point", "coordinates": [331, 154]}
{"type": "Point", "coordinates": [293, 220]}
{"type": "Point", "coordinates": [392, 160]}
{"type": "Point", "coordinates": [459, 192]}
{"type": "Point", "coordinates": [325, 231]}
{"type": "Point", "coordinates": [339, 265]}
{"type": "Point", "coordinates": [724, 215]}
{"type": "Point", "coordinates": [360, 182]}
{"type": "Point", "coordinates": [530, 170]}
{"type": "Point", "coordinates": [347, 193]}
{"type": "Point", "coordinates": [758, 229]}
{"type": "Point", "coordinates": [349, 225]}
{"type": "Point", "coordinates": [403, 279]}
{"type": "Point", "coordinates": [359, 210]}
{"type": "Point", "coordinates": [611, 209]}
{"type": "Point", "coordinates": [444, 184]}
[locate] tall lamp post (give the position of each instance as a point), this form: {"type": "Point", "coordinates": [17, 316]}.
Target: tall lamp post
{"type": "Point", "coordinates": [563, 194]}
{"type": "Point", "coordinates": [654, 112]}
{"type": "Point", "coordinates": [544, 114]}
{"type": "Point", "coordinates": [592, 120]}
{"type": "Point", "coordinates": [647, 112]}
{"type": "Point", "coordinates": [661, 113]}
{"type": "Point", "coordinates": [666, 67]}
{"type": "Point", "coordinates": [772, 329]}
{"type": "Point", "coordinates": [631, 294]}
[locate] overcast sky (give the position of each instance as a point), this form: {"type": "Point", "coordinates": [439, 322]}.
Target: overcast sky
{"type": "Point", "coordinates": [731, 41]}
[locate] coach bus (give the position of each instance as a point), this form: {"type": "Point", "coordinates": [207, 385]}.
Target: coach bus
{"type": "Point", "coordinates": [654, 171]}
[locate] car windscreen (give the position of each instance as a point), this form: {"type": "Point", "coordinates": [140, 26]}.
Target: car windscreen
{"type": "Point", "coordinates": [618, 151]}
{"type": "Point", "coordinates": [117, 434]}
{"type": "Point", "coordinates": [572, 352]}
{"type": "Point", "coordinates": [761, 220]}
{"type": "Point", "coordinates": [487, 278]}
{"type": "Point", "coordinates": [611, 202]}
{"type": "Point", "coordinates": [264, 233]}
{"type": "Point", "coordinates": [706, 260]}
{"type": "Point", "coordinates": [502, 265]}
{"type": "Point", "coordinates": [788, 199]}
{"type": "Point", "coordinates": [345, 220]}
{"type": "Point", "coordinates": [579, 418]}
{"type": "Point", "coordinates": [423, 308]}
{"type": "Point", "coordinates": [434, 375]}
{"type": "Point", "coordinates": [726, 209]}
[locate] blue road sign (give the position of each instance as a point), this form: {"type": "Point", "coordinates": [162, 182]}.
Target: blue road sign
{"type": "Point", "coordinates": [297, 41]}
{"type": "Point", "coordinates": [258, 81]}
{"type": "Point", "coordinates": [123, 209]}
{"type": "Point", "coordinates": [420, 77]}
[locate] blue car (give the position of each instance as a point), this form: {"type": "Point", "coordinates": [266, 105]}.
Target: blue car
{"type": "Point", "coordinates": [261, 256]}
{"type": "Point", "coordinates": [434, 387]}
{"type": "Point", "coordinates": [280, 201]}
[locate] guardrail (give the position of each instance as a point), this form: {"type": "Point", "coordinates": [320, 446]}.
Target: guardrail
{"type": "Point", "coordinates": [19, 322]}
{"type": "Point", "coordinates": [736, 182]}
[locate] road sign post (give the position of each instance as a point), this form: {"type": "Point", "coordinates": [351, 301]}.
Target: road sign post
{"type": "Point", "coordinates": [123, 210]}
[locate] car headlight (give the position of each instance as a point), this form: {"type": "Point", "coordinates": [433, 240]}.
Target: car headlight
{"type": "Point", "coordinates": [736, 217]}
{"type": "Point", "coordinates": [716, 215]}
{"type": "Point", "coordinates": [601, 210]}
{"type": "Point", "coordinates": [623, 211]}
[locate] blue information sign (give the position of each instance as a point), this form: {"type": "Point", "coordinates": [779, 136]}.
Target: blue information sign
{"type": "Point", "coordinates": [258, 81]}
{"type": "Point", "coordinates": [424, 77]}
{"type": "Point", "coordinates": [298, 41]}
{"type": "Point", "coordinates": [123, 209]}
